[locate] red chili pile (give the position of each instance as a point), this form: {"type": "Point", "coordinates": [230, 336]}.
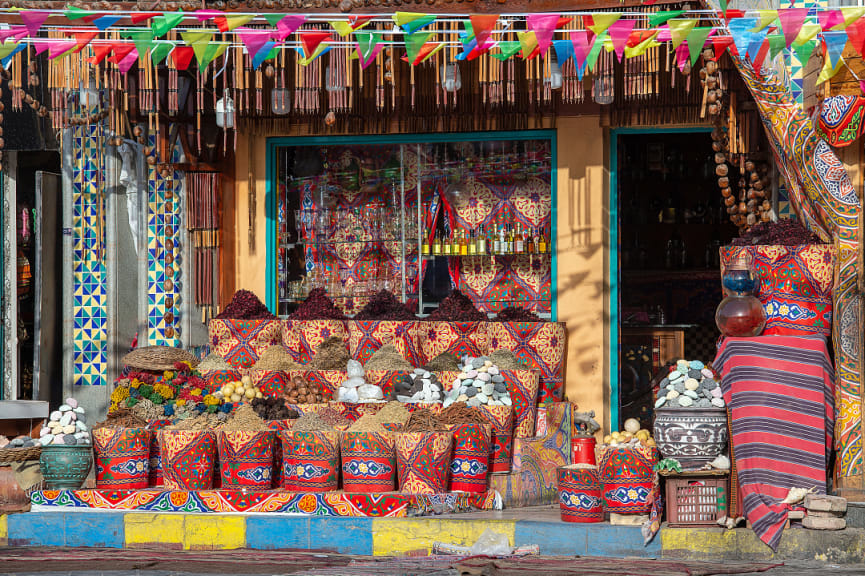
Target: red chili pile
{"type": "Point", "coordinates": [385, 306]}
{"type": "Point", "coordinates": [784, 232]}
{"type": "Point", "coordinates": [317, 306]}
{"type": "Point", "coordinates": [517, 314]}
{"type": "Point", "coordinates": [457, 308]}
{"type": "Point", "coordinates": [245, 305]}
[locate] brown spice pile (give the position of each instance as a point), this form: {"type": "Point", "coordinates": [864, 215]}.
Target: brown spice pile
{"type": "Point", "coordinates": [367, 423]}
{"type": "Point", "coordinates": [317, 306]}
{"type": "Point", "coordinates": [444, 362]}
{"type": "Point", "coordinates": [333, 417]}
{"type": "Point", "coordinates": [310, 422]}
{"type": "Point", "coordinates": [460, 413]}
{"type": "Point", "coordinates": [424, 420]}
{"type": "Point", "coordinates": [301, 391]}
{"type": "Point", "coordinates": [276, 358]}
{"type": "Point", "coordinates": [393, 413]}
{"type": "Point", "coordinates": [121, 418]}
{"type": "Point", "coordinates": [244, 419]}
{"type": "Point", "coordinates": [388, 358]}
{"type": "Point", "coordinates": [332, 354]}
{"type": "Point", "coordinates": [457, 307]}
{"type": "Point", "coordinates": [200, 422]}
{"type": "Point", "coordinates": [507, 360]}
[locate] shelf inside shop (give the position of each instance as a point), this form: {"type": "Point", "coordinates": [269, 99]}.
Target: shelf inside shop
{"type": "Point", "coordinates": [409, 242]}
{"type": "Point", "coordinates": [434, 256]}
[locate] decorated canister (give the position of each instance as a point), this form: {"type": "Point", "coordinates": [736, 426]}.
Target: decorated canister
{"type": "Point", "coordinates": [310, 461]}
{"type": "Point", "coordinates": [188, 458]}
{"type": "Point", "coordinates": [246, 459]}
{"type": "Point", "coordinates": [154, 469]}
{"type": "Point", "coordinates": [471, 455]}
{"type": "Point", "coordinates": [278, 426]}
{"type": "Point", "coordinates": [423, 460]}
{"type": "Point", "coordinates": [368, 461]}
{"type": "Point", "coordinates": [627, 476]}
{"type": "Point", "coordinates": [501, 418]}
{"type": "Point", "coordinates": [583, 450]}
{"type": "Point", "coordinates": [122, 456]}
{"type": "Point", "coordinates": [580, 493]}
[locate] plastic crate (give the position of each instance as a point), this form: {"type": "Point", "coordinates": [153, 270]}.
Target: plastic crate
{"type": "Point", "coordinates": [696, 501]}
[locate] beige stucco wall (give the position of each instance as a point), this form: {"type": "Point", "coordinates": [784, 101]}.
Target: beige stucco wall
{"type": "Point", "coordinates": [581, 257]}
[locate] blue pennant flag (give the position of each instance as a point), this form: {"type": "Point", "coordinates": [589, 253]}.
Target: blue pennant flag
{"type": "Point", "coordinates": [104, 22]}
{"type": "Point", "coordinates": [564, 50]}
{"type": "Point", "coordinates": [835, 43]}
{"type": "Point", "coordinates": [740, 30]}
{"type": "Point", "coordinates": [8, 59]}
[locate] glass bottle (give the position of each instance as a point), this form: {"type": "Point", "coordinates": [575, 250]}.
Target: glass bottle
{"type": "Point", "coordinates": [446, 246]}
{"type": "Point", "coordinates": [497, 243]}
{"type": "Point", "coordinates": [464, 244]}
{"type": "Point", "coordinates": [482, 242]}
{"type": "Point", "coordinates": [472, 244]}
{"type": "Point", "coordinates": [537, 241]}
{"type": "Point", "coordinates": [528, 241]}
{"type": "Point", "coordinates": [437, 245]}
{"type": "Point", "coordinates": [740, 313]}
{"type": "Point", "coordinates": [544, 246]}
{"type": "Point", "coordinates": [519, 245]}
{"type": "Point", "coordinates": [425, 247]}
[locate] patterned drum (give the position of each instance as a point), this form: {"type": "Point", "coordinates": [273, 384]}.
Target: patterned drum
{"type": "Point", "coordinates": [628, 496]}
{"type": "Point", "coordinates": [246, 459]}
{"type": "Point", "coordinates": [423, 459]}
{"type": "Point", "coordinates": [278, 426]}
{"type": "Point", "coordinates": [310, 461]}
{"type": "Point", "coordinates": [470, 464]}
{"type": "Point", "coordinates": [188, 458]}
{"type": "Point", "coordinates": [580, 494]}
{"type": "Point", "coordinates": [368, 461]}
{"type": "Point", "coordinates": [501, 418]}
{"type": "Point", "coordinates": [121, 457]}
{"type": "Point", "coordinates": [627, 475]}
{"type": "Point", "coordinates": [154, 471]}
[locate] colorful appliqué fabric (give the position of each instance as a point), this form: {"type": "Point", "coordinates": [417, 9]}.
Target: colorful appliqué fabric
{"type": "Point", "coordinates": [841, 119]}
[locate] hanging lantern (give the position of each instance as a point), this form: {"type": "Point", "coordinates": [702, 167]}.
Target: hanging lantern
{"type": "Point", "coordinates": [280, 99]}
{"type": "Point", "coordinates": [555, 77]}
{"type": "Point", "coordinates": [450, 77]}
{"type": "Point", "coordinates": [603, 88]}
{"type": "Point", "coordinates": [225, 112]}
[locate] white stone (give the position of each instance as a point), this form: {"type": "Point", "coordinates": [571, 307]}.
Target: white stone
{"type": "Point", "coordinates": [82, 435]}
{"type": "Point", "coordinates": [46, 440]}
{"type": "Point", "coordinates": [482, 398]}
{"type": "Point", "coordinates": [506, 400]}
{"type": "Point", "coordinates": [66, 419]}
{"type": "Point", "coordinates": [484, 377]}
{"type": "Point", "coordinates": [72, 402]}
{"type": "Point", "coordinates": [81, 426]}
{"type": "Point", "coordinates": [448, 401]}
{"type": "Point", "coordinates": [58, 439]}
{"type": "Point", "coordinates": [493, 370]}
{"type": "Point", "coordinates": [717, 392]}
{"type": "Point", "coordinates": [369, 392]}
{"type": "Point", "coordinates": [691, 384]}
{"type": "Point", "coordinates": [718, 402]}
{"type": "Point", "coordinates": [79, 410]}
{"type": "Point", "coordinates": [354, 369]}
{"type": "Point", "coordinates": [672, 394]}
{"type": "Point", "coordinates": [55, 416]}
{"type": "Point", "coordinates": [353, 382]}
{"type": "Point", "coordinates": [685, 401]}
{"type": "Point", "coordinates": [65, 408]}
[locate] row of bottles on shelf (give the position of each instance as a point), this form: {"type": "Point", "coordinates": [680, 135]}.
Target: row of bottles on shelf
{"type": "Point", "coordinates": [504, 241]}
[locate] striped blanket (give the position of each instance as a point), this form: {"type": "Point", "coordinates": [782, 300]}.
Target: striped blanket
{"type": "Point", "coordinates": [780, 392]}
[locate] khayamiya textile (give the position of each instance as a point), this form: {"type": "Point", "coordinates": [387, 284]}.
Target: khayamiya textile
{"type": "Point", "coordinates": [780, 392]}
{"type": "Point", "coordinates": [841, 119]}
{"type": "Point", "coordinates": [826, 201]}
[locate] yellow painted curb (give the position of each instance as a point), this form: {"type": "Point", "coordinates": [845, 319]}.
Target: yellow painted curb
{"type": "Point", "coordinates": [143, 529]}
{"type": "Point", "coordinates": [397, 536]}
{"type": "Point", "coordinates": [4, 530]}
{"type": "Point", "coordinates": [209, 532]}
{"type": "Point", "coordinates": [709, 543]}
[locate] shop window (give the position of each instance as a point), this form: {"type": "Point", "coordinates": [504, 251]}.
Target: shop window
{"type": "Point", "coordinates": [417, 219]}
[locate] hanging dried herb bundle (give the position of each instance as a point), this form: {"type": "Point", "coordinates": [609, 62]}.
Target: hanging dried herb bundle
{"type": "Point", "coordinates": [317, 306]}
{"type": "Point", "coordinates": [385, 306]}
{"type": "Point", "coordinates": [245, 305]}
{"type": "Point", "coordinates": [517, 314]}
{"type": "Point", "coordinates": [784, 232]}
{"type": "Point", "coordinates": [457, 308]}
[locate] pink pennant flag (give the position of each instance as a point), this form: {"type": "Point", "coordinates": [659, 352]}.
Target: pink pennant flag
{"type": "Point", "coordinates": [60, 48]}
{"type": "Point", "coordinates": [253, 39]}
{"type": "Point", "coordinates": [33, 20]}
{"type": "Point", "coordinates": [6, 33]}
{"type": "Point", "coordinates": [683, 55]}
{"type": "Point", "coordinates": [288, 25]}
{"type": "Point", "coordinates": [205, 15]}
{"type": "Point", "coordinates": [544, 26]}
{"type": "Point", "coordinates": [21, 33]}
{"type": "Point", "coordinates": [862, 86]}
{"type": "Point", "coordinates": [127, 62]}
{"type": "Point", "coordinates": [664, 34]}
{"type": "Point", "coordinates": [620, 31]}
{"type": "Point", "coordinates": [582, 46]}
{"type": "Point", "coordinates": [791, 22]}
{"type": "Point", "coordinates": [830, 19]}
{"type": "Point", "coordinates": [42, 45]}
{"type": "Point", "coordinates": [375, 52]}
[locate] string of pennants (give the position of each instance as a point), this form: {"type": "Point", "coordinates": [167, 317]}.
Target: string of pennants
{"type": "Point", "coordinates": [753, 34]}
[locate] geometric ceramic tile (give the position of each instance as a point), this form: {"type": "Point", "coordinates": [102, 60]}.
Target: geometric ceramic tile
{"type": "Point", "coordinates": [89, 299]}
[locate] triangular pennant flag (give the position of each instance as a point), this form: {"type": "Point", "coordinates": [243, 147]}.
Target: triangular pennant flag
{"type": "Point", "coordinates": [368, 47]}
{"type": "Point", "coordinates": [642, 47]}
{"type": "Point", "coordinates": [33, 20]}
{"type": "Point", "coordinates": [100, 51]}
{"type": "Point", "coordinates": [508, 49]}
{"type": "Point", "coordinates": [791, 22]}
{"type": "Point", "coordinates": [358, 22]}
{"type": "Point", "coordinates": [659, 18]}
{"type": "Point", "coordinates": [260, 55]}
{"type": "Point", "coordinates": [143, 40]}
{"type": "Point", "coordinates": [804, 51]}
{"type": "Point", "coordinates": [231, 21]}
{"type": "Point", "coordinates": [342, 27]}
{"type": "Point", "coordinates": [411, 22]}
{"type": "Point", "coordinates": [182, 57]}
{"type": "Point", "coordinates": [214, 51]}
{"type": "Point", "coordinates": [679, 30]}
{"type": "Point", "coordinates": [682, 57]}
{"type": "Point", "coordinates": [273, 19]}
{"type": "Point", "coordinates": [777, 42]}
{"type": "Point", "coordinates": [582, 46]}
{"type": "Point", "coordinates": [852, 14]}
{"type": "Point", "coordinates": [482, 26]}
{"type": "Point", "coordinates": [199, 42]}
{"type": "Point", "coordinates": [696, 40]}
{"type": "Point", "coordinates": [754, 47]}
{"type": "Point", "coordinates": [829, 71]}
{"type": "Point", "coordinates": [528, 43]}
{"type": "Point", "coordinates": [160, 52]}
{"type": "Point", "coordinates": [856, 34]}
{"type": "Point", "coordinates": [288, 25]}
{"type": "Point", "coordinates": [619, 32]}
{"type": "Point", "coordinates": [6, 33]}
{"type": "Point", "coordinates": [139, 18]}
{"type": "Point", "coordinates": [59, 48]}
{"type": "Point", "coordinates": [740, 30]}
{"type": "Point", "coordinates": [564, 51]}
{"type": "Point", "coordinates": [760, 55]}
{"type": "Point", "coordinates": [427, 50]}
{"type": "Point", "coordinates": [766, 18]}
{"type": "Point", "coordinates": [82, 39]}
{"type": "Point", "coordinates": [544, 26]}
{"type": "Point", "coordinates": [8, 49]}
{"type": "Point", "coordinates": [253, 39]}
{"type": "Point", "coordinates": [17, 48]}
{"type": "Point", "coordinates": [595, 51]}
{"type": "Point", "coordinates": [720, 45]}
{"type": "Point", "coordinates": [808, 32]}
{"type": "Point", "coordinates": [41, 45]}
{"type": "Point", "coordinates": [603, 20]}
{"type": "Point", "coordinates": [413, 44]}
{"type": "Point", "coordinates": [121, 51]}
{"type": "Point", "coordinates": [835, 43]}
{"type": "Point", "coordinates": [106, 22]}
{"type": "Point", "coordinates": [638, 37]}
{"type": "Point", "coordinates": [311, 41]}
{"type": "Point", "coordinates": [861, 84]}
{"type": "Point", "coordinates": [205, 15]}
{"type": "Point", "coordinates": [162, 24]}
{"type": "Point", "coordinates": [127, 62]}
{"type": "Point", "coordinates": [322, 49]}
{"type": "Point", "coordinates": [829, 19]}
{"type": "Point", "coordinates": [73, 13]}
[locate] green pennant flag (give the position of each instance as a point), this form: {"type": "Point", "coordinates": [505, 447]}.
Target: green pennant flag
{"type": "Point", "coordinates": [680, 29]}
{"type": "Point", "coordinates": [214, 51]}
{"type": "Point", "coordinates": [696, 40]}
{"type": "Point", "coordinates": [470, 31]}
{"type": "Point", "coordinates": [413, 43]}
{"type": "Point", "coordinates": [199, 41]}
{"type": "Point", "coordinates": [7, 49]}
{"type": "Point", "coordinates": [366, 43]}
{"type": "Point", "coordinates": [592, 57]}
{"type": "Point", "coordinates": [273, 19]}
{"type": "Point", "coordinates": [161, 51]}
{"type": "Point", "coordinates": [411, 22]}
{"type": "Point", "coordinates": [776, 44]}
{"type": "Point", "coordinates": [274, 52]}
{"type": "Point", "coordinates": [508, 48]}
{"type": "Point", "coordinates": [660, 17]}
{"type": "Point", "coordinates": [73, 13]}
{"type": "Point", "coordinates": [804, 51]}
{"type": "Point", "coordinates": [143, 40]}
{"type": "Point", "coordinates": [162, 24]}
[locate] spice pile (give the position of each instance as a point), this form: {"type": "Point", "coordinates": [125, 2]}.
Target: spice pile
{"type": "Point", "coordinates": [783, 232]}
{"type": "Point", "coordinates": [480, 382]}
{"type": "Point", "coordinates": [355, 389]}
{"type": "Point", "coordinates": [301, 391]}
{"type": "Point", "coordinates": [276, 358]}
{"type": "Point", "coordinates": [690, 385]}
{"type": "Point", "coordinates": [393, 413]}
{"type": "Point", "coordinates": [460, 413]}
{"type": "Point", "coordinates": [244, 419]}
{"type": "Point", "coordinates": [311, 422]}
{"type": "Point", "coordinates": [273, 409]}
{"type": "Point", "coordinates": [121, 418]}
{"type": "Point", "coordinates": [367, 423]}
{"type": "Point", "coordinates": [457, 308]}
{"type": "Point", "coordinates": [332, 417]}
{"type": "Point", "coordinates": [200, 422]}
{"type": "Point", "coordinates": [385, 306]}
{"type": "Point", "coordinates": [507, 360]}
{"type": "Point", "coordinates": [245, 305]}
{"type": "Point", "coordinates": [444, 362]}
{"type": "Point", "coordinates": [419, 386]}
{"type": "Point", "coordinates": [387, 358]}
{"type": "Point", "coordinates": [317, 306]}
{"type": "Point", "coordinates": [424, 421]}
{"type": "Point", "coordinates": [213, 362]}
{"type": "Point", "coordinates": [331, 354]}
{"type": "Point", "coordinates": [66, 425]}
{"type": "Point", "coordinates": [517, 314]}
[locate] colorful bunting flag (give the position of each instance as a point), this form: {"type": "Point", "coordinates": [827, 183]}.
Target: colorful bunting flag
{"type": "Point", "coordinates": [229, 22]}
{"type": "Point", "coordinates": [564, 50]}
{"type": "Point", "coordinates": [619, 32]}
{"type": "Point", "coordinates": [835, 43]}
{"type": "Point", "coordinates": [100, 51]}
{"type": "Point", "coordinates": [856, 35]}
{"type": "Point", "coordinates": [809, 31]}
{"type": "Point", "coordinates": [311, 41]}
{"type": "Point", "coordinates": [121, 51]}
{"type": "Point", "coordinates": [544, 26]}
{"type": "Point", "coordinates": [82, 39]}
{"type": "Point", "coordinates": [740, 30]}
{"type": "Point", "coordinates": [262, 54]}
{"type": "Point", "coordinates": [73, 13]}
{"type": "Point", "coordinates": [320, 50]}
{"type": "Point", "coordinates": [720, 45]}
{"type": "Point", "coordinates": [288, 25]}
{"type": "Point", "coordinates": [33, 20]}
{"type": "Point", "coordinates": [679, 30]}
{"type": "Point", "coordinates": [803, 51]}
{"type": "Point", "coordinates": [162, 24]}
{"type": "Point", "coordinates": [139, 18]}
{"type": "Point", "coordinates": [182, 57]}
{"type": "Point", "coordinates": [696, 41]}
{"type": "Point", "coordinates": [106, 22]}
{"type": "Point", "coordinates": [659, 18]}
{"type": "Point", "coordinates": [595, 50]}
{"type": "Point", "coordinates": [792, 20]}
{"type": "Point", "coordinates": [766, 18]}
{"type": "Point", "coordinates": [482, 26]}
{"type": "Point", "coordinates": [829, 70]}
{"type": "Point", "coordinates": [603, 20]}
{"type": "Point", "coordinates": [59, 48]}
{"type": "Point", "coordinates": [368, 47]}
{"type": "Point", "coordinates": [253, 39]}
{"type": "Point", "coordinates": [829, 19]}
{"type": "Point", "coordinates": [528, 43]}
{"type": "Point", "coordinates": [161, 51]}
{"type": "Point", "coordinates": [413, 44]}
{"type": "Point", "coordinates": [411, 22]}
{"type": "Point", "coordinates": [851, 14]}
{"type": "Point", "coordinates": [777, 42]}
{"type": "Point", "coordinates": [508, 49]}
{"type": "Point", "coordinates": [7, 33]}
{"type": "Point", "coordinates": [130, 59]}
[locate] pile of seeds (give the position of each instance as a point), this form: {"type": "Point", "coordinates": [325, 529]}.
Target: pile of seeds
{"type": "Point", "coordinates": [393, 413]}
{"type": "Point", "coordinates": [121, 418]}
{"type": "Point", "coordinates": [213, 362]}
{"type": "Point", "coordinates": [387, 358]}
{"type": "Point", "coordinates": [332, 354]}
{"type": "Point", "coordinates": [507, 360]}
{"type": "Point", "coordinates": [424, 421]}
{"type": "Point", "coordinates": [147, 410]}
{"type": "Point", "coordinates": [317, 306]}
{"type": "Point", "coordinates": [332, 417]}
{"type": "Point", "coordinates": [276, 358]}
{"type": "Point", "coordinates": [367, 423]}
{"type": "Point", "coordinates": [444, 362]}
{"type": "Point", "coordinates": [460, 413]}
{"type": "Point", "coordinates": [302, 391]}
{"type": "Point", "coordinates": [310, 422]}
{"type": "Point", "coordinates": [273, 409]}
{"type": "Point", "coordinates": [480, 382]}
{"type": "Point", "coordinates": [457, 308]}
{"type": "Point", "coordinates": [419, 386]}
{"type": "Point", "coordinates": [200, 422]}
{"type": "Point", "coordinates": [244, 419]}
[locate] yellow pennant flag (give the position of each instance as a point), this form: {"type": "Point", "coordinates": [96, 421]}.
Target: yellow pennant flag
{"type": "Point", "coordinates": [808, 32]}
{"type": "Point", "coordinates": [603, 20]}
{"type": "Point", "coordinates": [235, 21]}
{"type": "Point", "coordinates": [433, 51]}
{"type": "Point", "coordinates": [642, 47]}
{"type": "Point", "coordinates": [528, 42]}
{"type": "Point", "coordinates": [319, 50]}
{"type": "Point", "coordinates": [766, 18]}
{"type": "Point", "coordinates": [828, 72]}
{"type": "Point", "coordinates": [679, 30]}
{"type": "Point", "coordinates": [850, 14]}
{"type": "Point", "coordinates": [342, 28]}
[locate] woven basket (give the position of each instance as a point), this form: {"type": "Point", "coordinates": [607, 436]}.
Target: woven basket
{"type": "Point", "coordinates": [158, 358]}
{"type": "Point", "coordinates": [20, 454]}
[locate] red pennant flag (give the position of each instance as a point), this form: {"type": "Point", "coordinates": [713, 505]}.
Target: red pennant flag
{"type": "Point", "coordinates": [424, 51]}
{"type": "Point", "coordinates": [182, 56]}
{"type": "Point", "coordinates": [761, 55]}
{"type": "Point", "coordinates": [84, 38]}
{"type": "Point", "coordinates": [482, 26]}
{"type": "Point", "coordinates": [89, 19]}
{"type": "Point", "coordinates": [121, 51]}
{"type": "Point", "coordinates": [791, 22]}
{"type": "Point", "coordinates": [356, 21]}
{"type": "Point", "coordinates": [856, 35]}
{"type": "Point", "coordinates": [721, 44]}
{"type": "Point", "coordinates": [311, 40]}
{"type": "Point", "coordinates": [563, 22]}
{"type": "Point", "coordinates": [730, 14]}
{"type": "Point", "coordinates": [139, 18]}
{"type": "Point", "coordinates": [637, 37]}
{"type": "Point", "coordinates": [100, 51]}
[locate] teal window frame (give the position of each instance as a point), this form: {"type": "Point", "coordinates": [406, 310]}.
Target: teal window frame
{"type": "Point", "coordinates": [272, 209]}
